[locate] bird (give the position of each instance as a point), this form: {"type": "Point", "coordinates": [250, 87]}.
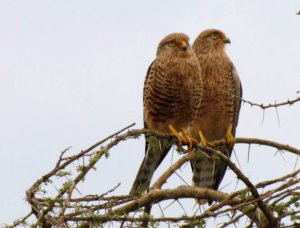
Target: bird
{"type": "Point", "coordinates": [167, 101]}
{"type": "Point", "coordinates": [216, 117]}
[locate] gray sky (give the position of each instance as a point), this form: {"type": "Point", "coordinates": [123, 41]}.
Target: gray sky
{"type": "Point", "coordinates": [72, 72]}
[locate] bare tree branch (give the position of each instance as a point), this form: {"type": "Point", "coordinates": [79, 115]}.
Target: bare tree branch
{"type": "Point", "coordinates": [272, 105]}
{"type": "Point", "coordinates": [266, 204]}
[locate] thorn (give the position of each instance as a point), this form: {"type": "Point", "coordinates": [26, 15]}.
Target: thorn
{"type": "Point", "coordinates": [276, 109]}
{"type": "Point", "coordinates": [296, 163]}
{"type": "Point", "coordinates": [263, 118]}
{"type": "Point", "coordinates": [248, 157]}
{"type": "Point", "coordinates": [237, 158]}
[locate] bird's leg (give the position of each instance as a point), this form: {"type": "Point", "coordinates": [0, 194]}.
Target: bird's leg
{"type": "Point", "coordinates": [189, 141]}
{"type": "Point", "coordinates": [229, 137]}
{"type": "Point", "coordinates": [204, 141]}
{"type": "Point", "coordinates": [175, 133]}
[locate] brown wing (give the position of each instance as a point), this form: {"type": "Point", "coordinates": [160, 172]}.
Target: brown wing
{"type": "Point", "coordinates": [238, 98]}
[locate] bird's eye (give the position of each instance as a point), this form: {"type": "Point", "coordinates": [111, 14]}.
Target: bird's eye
{"type": "Point", "coordinates": [214, 36]}
{"type": "Point", "coordinates": [171, 43]}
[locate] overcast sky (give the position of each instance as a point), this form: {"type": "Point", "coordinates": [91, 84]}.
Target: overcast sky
{"type": "Point", "coordinates": [72, 72]}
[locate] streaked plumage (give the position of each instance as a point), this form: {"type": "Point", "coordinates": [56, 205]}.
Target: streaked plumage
{"type": "Point", "coordinates": [168, 89]}
{"type": "Point", "coordinates": [217, 115]}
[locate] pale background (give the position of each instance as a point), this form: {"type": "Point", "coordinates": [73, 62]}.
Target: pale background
{"type": "Point", "coordinates": [72, 72]}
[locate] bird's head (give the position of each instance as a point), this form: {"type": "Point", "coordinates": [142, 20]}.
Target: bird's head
{"type": "Point", "coordinates": [176, 44]}
{"type": "Point", "coordinates": [211, 39]}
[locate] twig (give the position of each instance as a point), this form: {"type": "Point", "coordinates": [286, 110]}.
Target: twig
{"type": "Point", "coordinates": [275, 105]}
{"type": "Point", "coordinates": [64, 200]}
{"type": "Point", "coordinates": [163, 178]}
{"type": "Point", "coordinates": [264, 142]}
{"type": "Point", "coordinates": [272, 221]}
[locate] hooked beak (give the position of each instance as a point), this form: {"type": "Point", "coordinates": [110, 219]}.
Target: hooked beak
{"type": "Point", "coordinates": [183, 45]}
{"type": "Point", "coordinates": [227, 41]}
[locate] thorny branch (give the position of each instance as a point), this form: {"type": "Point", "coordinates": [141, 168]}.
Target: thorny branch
{"type": "Point", "coordinates": [45, 209]}
{"type": "Point", "coordinates": [272, 105]}
{"type": "Point", "coordinates": [264, 205]}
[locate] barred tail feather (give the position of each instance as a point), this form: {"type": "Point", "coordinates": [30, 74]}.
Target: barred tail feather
{"type": "Point", "coordinates": [208, 172]}
{"type": "Point", "coordinates": [156, 150]}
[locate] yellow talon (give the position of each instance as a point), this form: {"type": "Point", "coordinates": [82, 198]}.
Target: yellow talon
{"type": "Point", "coordinates": [175, 133]}
{"type": "Point", "coordinates": [203, 140]}
{"type": "Point", "coordinates": [229, 138]}
{"type": "Point", "coordinates": [189, 141]}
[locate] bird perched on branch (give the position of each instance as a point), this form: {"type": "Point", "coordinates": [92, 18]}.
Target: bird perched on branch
{"type": "Point", "coordinates": [171, 81]}
{"type": "Point", "coordinates": [217, 115]}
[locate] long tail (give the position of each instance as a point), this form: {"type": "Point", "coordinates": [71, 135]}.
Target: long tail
{"type": "Point", "coordinates": [156, 150]}
{"type": "Point", "coordinates": [208, 172]}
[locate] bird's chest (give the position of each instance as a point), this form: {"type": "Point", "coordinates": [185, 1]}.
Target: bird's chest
{"type": "Point", "coordinates": [168, 101]}
{"type": "Point", "coordinates": [177, 89]}
{"type": "Point", "coordinates": [216, 111]}
{"type": "Point", "coordinates": [217, 89]}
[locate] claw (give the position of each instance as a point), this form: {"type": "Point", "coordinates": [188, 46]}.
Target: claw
{"type": "Point", "coordinates": [203, 140]}
{"type": "Point", "coordinates": [189, 141]}
{"type": "Point", "coordinates": [229, 138]}
{"type": "Point", "coordinates": [175, 133]}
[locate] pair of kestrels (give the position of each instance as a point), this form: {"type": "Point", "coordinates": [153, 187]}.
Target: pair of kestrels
{"type": "Point", "coordinates": [194, 92]}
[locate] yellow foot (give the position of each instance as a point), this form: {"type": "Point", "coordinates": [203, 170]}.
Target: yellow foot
{"type": "Point", "coordinates": [203, 140]}
{"type": "Point", "coordinates": [229, 138]}
{"type": "Point", "coordinates": [188, 140]}
{"type": "Point", "coordinates": [175, 133]}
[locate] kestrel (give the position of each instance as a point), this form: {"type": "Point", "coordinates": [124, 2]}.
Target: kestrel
{"type": "Point", "coordinates": [171, 80]}
{"type": "Point", "coordinates": [217, 115]}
